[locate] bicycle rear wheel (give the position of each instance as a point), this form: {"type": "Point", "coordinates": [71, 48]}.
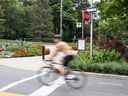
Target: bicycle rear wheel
{"type": "Point", "coordinates": [48, 76]}
{"type": "Point", "coordinates": [76, 79]}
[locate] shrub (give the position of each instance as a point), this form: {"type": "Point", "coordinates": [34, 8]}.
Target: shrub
{"type": "Point", "coordinates": [105, 61]}
{"type": "Point", "coordinates": [100, 56]}
{"type": "Point", "coordinates": [104, 55]}
{"type": "Point", "coordinates": [28, 50]}
{"type": "Point", "coordinates": [21, 53]}
{"type": "Point", "coordinates": [35, 50]}
{"type": "Point", "coordinates": [20, 49]}
{"type": "Point", "coordinates": [120, 68]}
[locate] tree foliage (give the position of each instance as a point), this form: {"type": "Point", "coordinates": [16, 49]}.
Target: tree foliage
{"type": "Point", "coordinates": [42, 18]}
{"type": "Point", "coordinates": [17, 19]}
{"type": "Point", "coordinates": [114, 18]}
{"type": "Point", "coordinates": [70, 17]}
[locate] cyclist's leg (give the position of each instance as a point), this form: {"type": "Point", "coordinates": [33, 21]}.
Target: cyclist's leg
{"type": "Point", "coordinates": [60, 69]}
{"type": "Point", "coordinates": [63, 63]}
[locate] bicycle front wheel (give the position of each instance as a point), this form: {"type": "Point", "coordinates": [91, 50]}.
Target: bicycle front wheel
{"type": "Point", "coordinates": [48, 76]}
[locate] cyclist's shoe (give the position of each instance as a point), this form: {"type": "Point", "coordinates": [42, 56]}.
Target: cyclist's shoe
{"type": "Point", "coordinates": [70, 77]}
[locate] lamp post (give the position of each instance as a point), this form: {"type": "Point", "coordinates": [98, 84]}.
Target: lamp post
{"type": "Point", "coordinates": [61, 18]}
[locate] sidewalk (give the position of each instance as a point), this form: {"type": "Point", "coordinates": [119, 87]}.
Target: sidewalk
{"type": "Point", "coordinates": [25, 63]}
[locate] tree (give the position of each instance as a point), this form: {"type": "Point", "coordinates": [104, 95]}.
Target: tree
{"type": "Point", "coordinates": [17, 20]}
{"type": "Point", "coordinates": [70, 17]}
{"type": "Point", "coordinates": [114, 18]}
{"type": "Point", "coordinates": [3, 7]}
{"type": "Point", "coordinates": [37, 18]}
{"type": "Point", "coordinates": [42, 19]}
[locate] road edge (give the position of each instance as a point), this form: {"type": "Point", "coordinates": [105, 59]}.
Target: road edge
{"type": "Point", "coordinates": [99, 75]}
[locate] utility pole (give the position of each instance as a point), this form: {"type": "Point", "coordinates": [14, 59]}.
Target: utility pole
{"type": "Point", "coordinates": [61, 18]}
{"type": "Point", "coordinates": [91, 33]}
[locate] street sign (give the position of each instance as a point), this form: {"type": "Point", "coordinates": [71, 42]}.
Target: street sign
{"type": "Point", "coordinates": [81, 45]}
{"type": "Point", "coordinates": [86, 15]}
{"type": "Point", "coordinates": [92, 9]}
{"type": "Point", "coordinates": [78, 24]}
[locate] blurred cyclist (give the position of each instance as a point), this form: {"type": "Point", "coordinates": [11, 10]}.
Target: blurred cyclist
{"type": "Point", "coordinates": [61, 53]}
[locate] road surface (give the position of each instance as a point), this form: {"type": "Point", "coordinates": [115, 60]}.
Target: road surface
{"type": "Point", "coordinates": [96, 86]}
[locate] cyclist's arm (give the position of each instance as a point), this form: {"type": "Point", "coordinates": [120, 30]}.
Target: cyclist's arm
{"type": "Point", "coordinates": [52, 54]}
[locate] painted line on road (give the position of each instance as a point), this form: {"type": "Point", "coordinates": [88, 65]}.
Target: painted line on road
{"type": "Point", "coordinates": [47, 90]}
{"type": "Point", "coordinates": [19, 82]}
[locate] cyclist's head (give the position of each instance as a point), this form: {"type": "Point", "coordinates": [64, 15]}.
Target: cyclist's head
{"type": "Point", "coordinates": [57, 38]}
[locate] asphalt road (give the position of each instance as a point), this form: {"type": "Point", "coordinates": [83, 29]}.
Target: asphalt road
{"type": "Point", "coordinates": [10, 75]}
{"type": "Point", "coordinates": [96, 86]}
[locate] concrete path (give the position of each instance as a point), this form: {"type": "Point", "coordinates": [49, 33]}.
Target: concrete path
{"type": "Point", "coordinates": [25, 63]}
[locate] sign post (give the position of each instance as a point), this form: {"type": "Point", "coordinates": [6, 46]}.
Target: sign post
{"type": "Point", "coordinates": [91, 32]}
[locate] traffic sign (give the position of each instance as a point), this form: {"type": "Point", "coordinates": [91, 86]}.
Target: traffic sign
{"type": "Point", "coordinates": [81, 45]}
{"type": "Point", "coordinates": [92, 9]}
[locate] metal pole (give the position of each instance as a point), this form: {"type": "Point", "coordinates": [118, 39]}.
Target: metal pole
{"type": "Point", "coordinates": [61, 18]}
{"type": "Point", "coordinates": [82, 25]}
{"type": "Point", "coordinates": [91, 33]}
{"type": "Point", "coordinates": [91, 37]}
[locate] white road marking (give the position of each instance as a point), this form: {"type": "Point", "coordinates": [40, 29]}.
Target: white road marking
{"type": "Point", "coordinates": [47, 90]}
{"type": "Point", "coordinates": [19, 82]}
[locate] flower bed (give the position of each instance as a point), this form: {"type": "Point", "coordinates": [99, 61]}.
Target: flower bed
{"type": "Point", "coordinates": [17, 49]}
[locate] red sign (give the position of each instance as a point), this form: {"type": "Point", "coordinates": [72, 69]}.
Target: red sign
{"type": "Point", "coordinates": [86, 17]}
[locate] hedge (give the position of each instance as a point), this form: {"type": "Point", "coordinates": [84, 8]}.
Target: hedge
{"type": "Point", "coordinates": [120, 68]}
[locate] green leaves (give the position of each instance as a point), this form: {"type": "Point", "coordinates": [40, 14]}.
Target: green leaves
{"type": "Point", "coordinates": [70, 17]}
{"type": "Point", "coordinates": [17, 21]}
{"type": "Point", "coordinates": [114, 16]}
{"type": "Point", "coordinates": [42, 18]}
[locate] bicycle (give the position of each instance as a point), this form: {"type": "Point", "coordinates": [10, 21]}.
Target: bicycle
{"type": "Point", "coordinates": [73, 78]}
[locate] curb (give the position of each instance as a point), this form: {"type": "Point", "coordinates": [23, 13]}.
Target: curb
{"type": "Point", "coordinates": [109, 76]}
{"type": "Point", "coordinates": [9, 94]}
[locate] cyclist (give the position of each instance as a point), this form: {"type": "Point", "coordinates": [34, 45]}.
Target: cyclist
{"type": "Point", "coordinates": [61, 53]}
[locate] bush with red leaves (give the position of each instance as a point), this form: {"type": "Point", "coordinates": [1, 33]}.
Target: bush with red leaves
{"type": "Point", "coordinates": [114, 43]}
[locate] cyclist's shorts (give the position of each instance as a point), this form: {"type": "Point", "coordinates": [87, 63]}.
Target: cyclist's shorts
{"type": "Point", "coordinates": [67, 59]}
